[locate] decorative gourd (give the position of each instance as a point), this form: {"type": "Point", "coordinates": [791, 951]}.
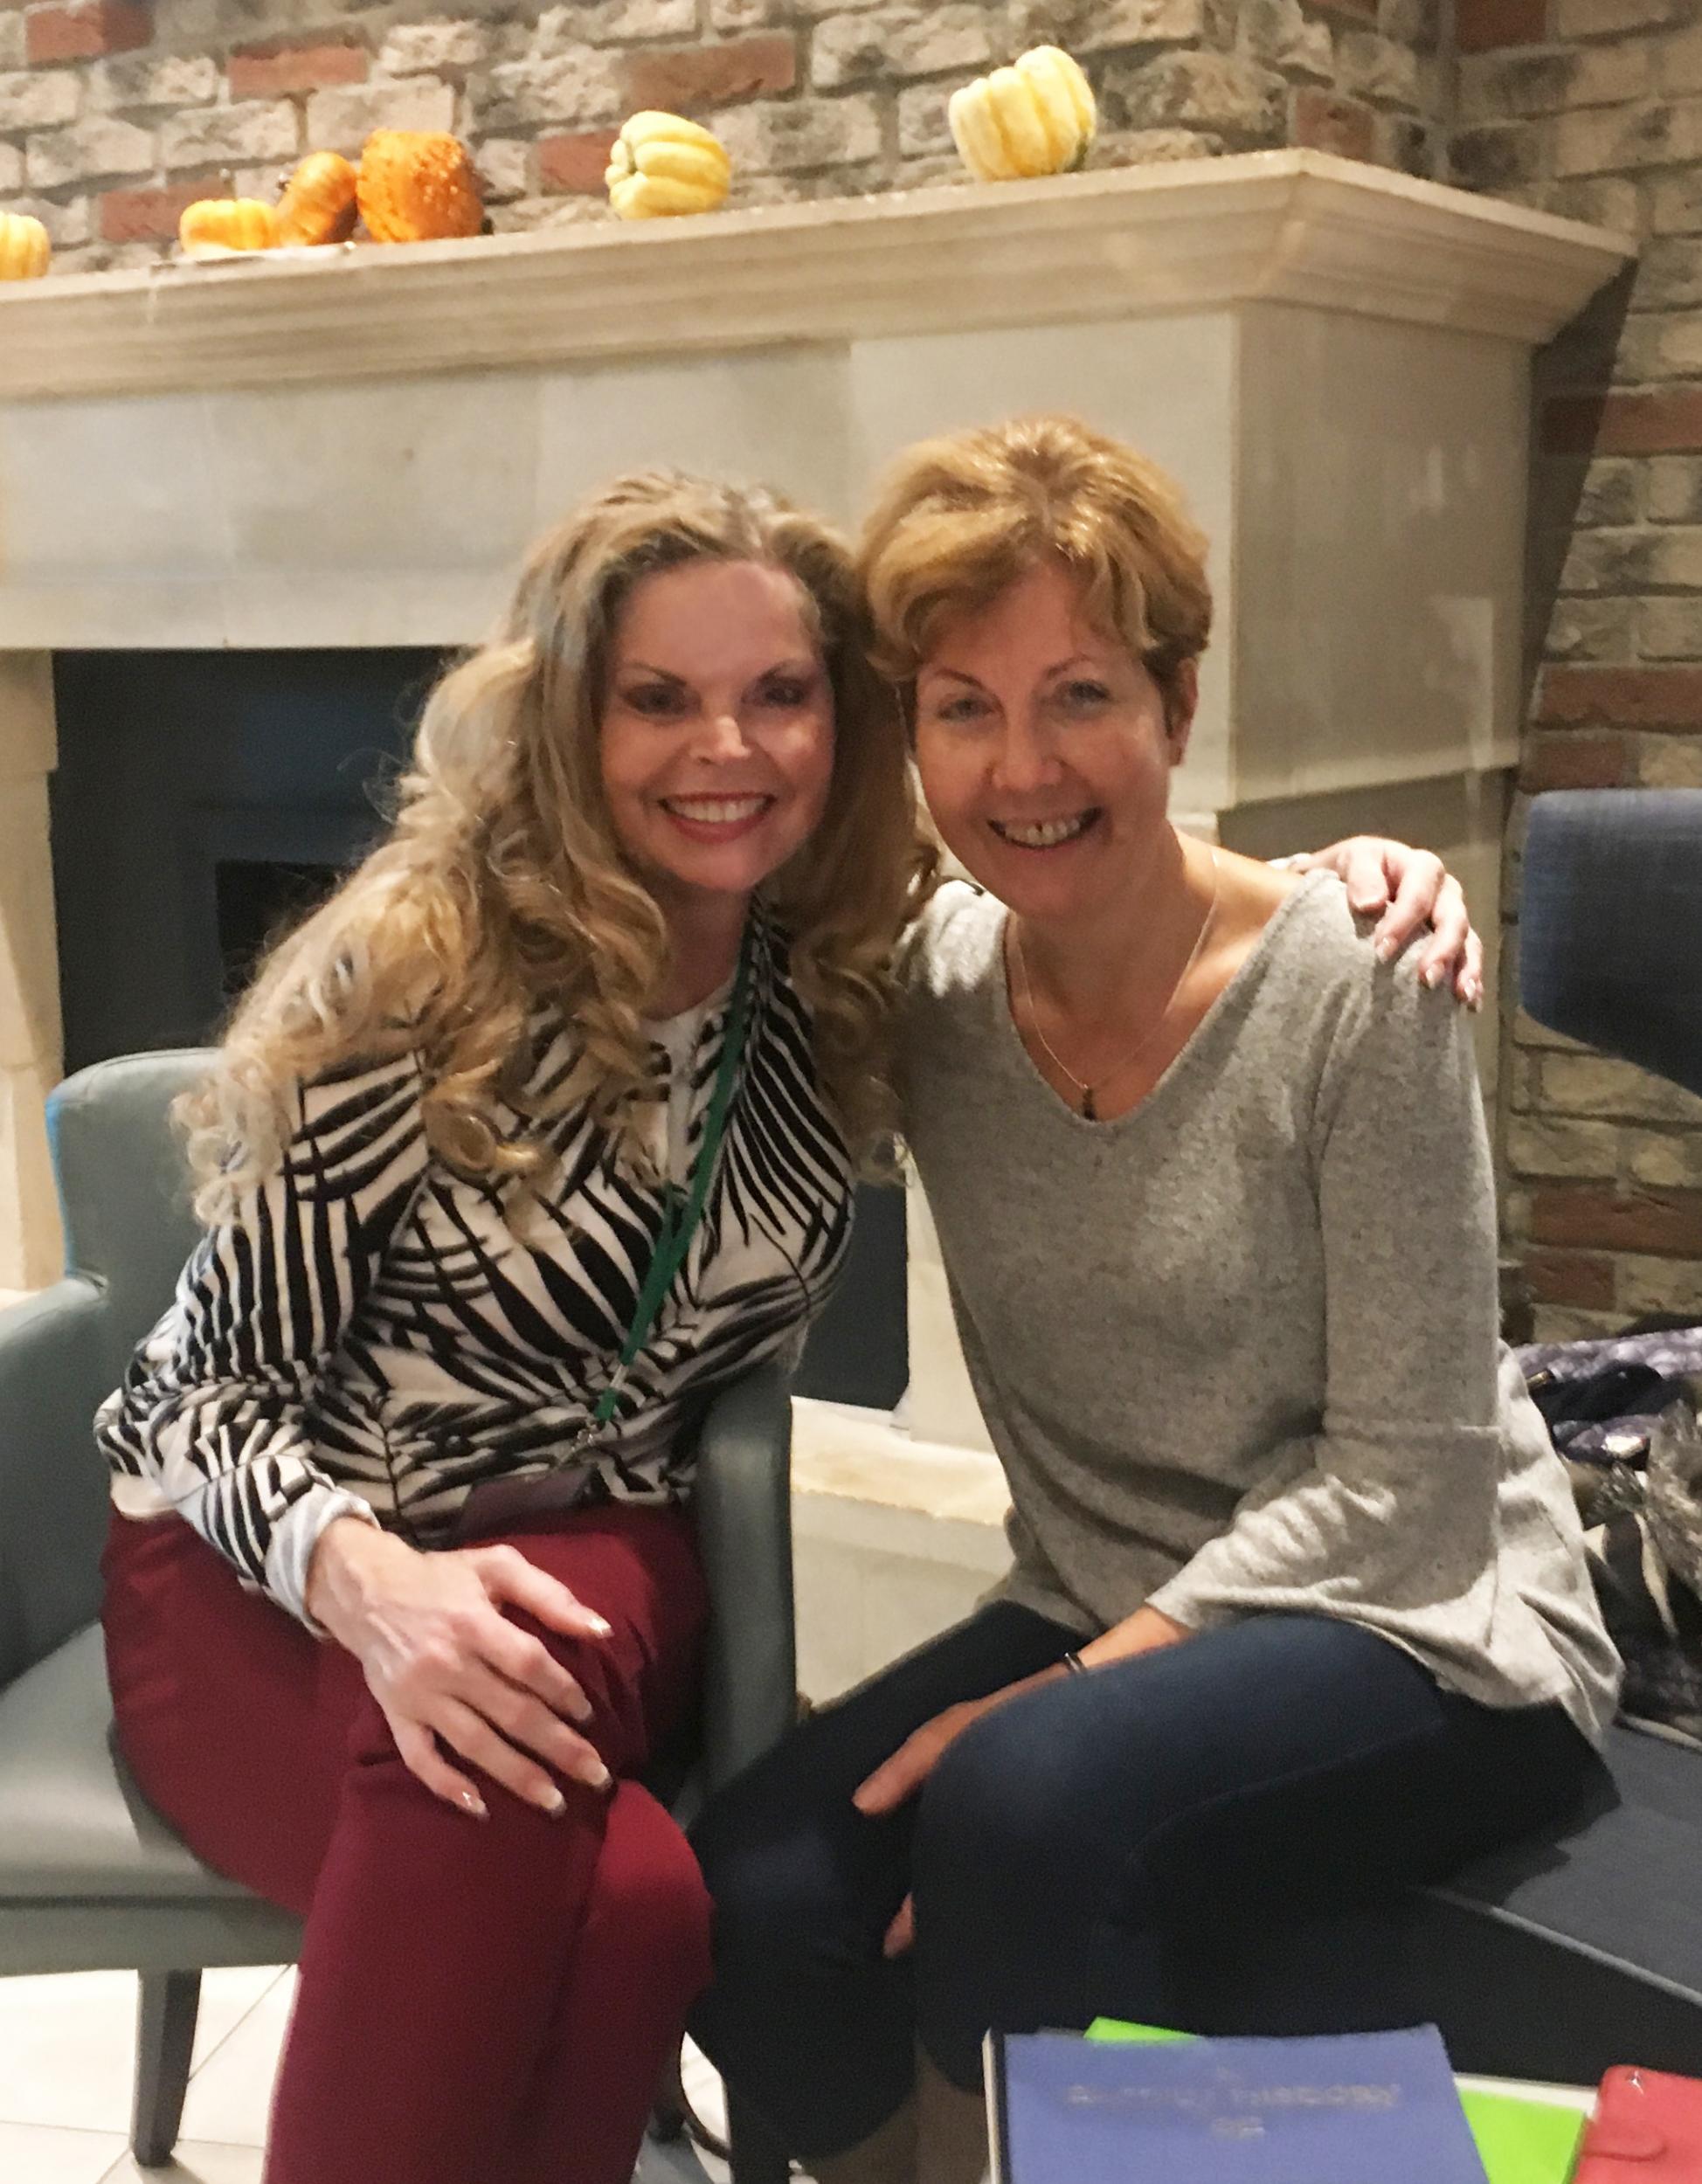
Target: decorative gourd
{"type": "Point", "coordinates": [24, 249]}
{"type": "Point", "coordinates": [220, 224]}
{"type": "Point", "coordinates": [1036, 117]}
{"type": "Point", "coordinates": [319, 201]}
{"type": "Point", "coordinates": [418, 185]}
{"type": "Point", "coordinates": [663, 164]}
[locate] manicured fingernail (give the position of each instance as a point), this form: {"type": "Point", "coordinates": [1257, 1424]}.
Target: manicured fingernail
{"type": "Point", "coordinates": [470, 1802]}
{"type": "Point", "coordinates": [1435, 975]}
{"type": "Point", "coordinates": [603, 1629]}
{"type": "Point", "coordinates": [1387, 948]}
{"type": "Point", "coordinates": [601, 1779]}
{"type": "Point", "coordinates": [556, 1806]}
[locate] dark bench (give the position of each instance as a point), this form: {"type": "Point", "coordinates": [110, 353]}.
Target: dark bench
{"type": "Point", "coordinates": [1566, 1956]}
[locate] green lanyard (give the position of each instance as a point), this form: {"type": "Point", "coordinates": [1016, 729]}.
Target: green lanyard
{"type": "Point", "coordinates": [682, 1211]}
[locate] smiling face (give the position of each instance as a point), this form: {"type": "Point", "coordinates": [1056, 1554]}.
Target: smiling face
{"type": "Point", "coordinates": [1044, 749]}
{"type": "Point", "coordinates": [716, 736]}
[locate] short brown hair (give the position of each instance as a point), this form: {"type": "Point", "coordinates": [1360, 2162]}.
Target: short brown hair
{"type": "Point", "coordinates": [959, 519]}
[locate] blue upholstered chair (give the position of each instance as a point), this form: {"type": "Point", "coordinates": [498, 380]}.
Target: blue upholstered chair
{"type": "Point", "coordinates": [1610, 925]}
{"type": "Point", "coordinates": [89, 1878]}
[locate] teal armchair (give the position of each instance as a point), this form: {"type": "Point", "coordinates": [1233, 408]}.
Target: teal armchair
{"type": "Point", "coordinates": [89, 1878]}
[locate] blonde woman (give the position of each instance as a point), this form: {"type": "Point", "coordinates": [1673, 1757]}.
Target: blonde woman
{"type": "Point", "coordinates": [400, 1595]}
{"type": "Point", "coordinates": [1298, 1612]}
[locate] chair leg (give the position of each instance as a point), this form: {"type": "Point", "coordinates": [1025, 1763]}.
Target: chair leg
{"type": "Point", "coordinates": [757, 2156]}
{"type": "Point", "coordinates": [667, 2112]}
{"type": "Point", "coordinates": [165, 2038]}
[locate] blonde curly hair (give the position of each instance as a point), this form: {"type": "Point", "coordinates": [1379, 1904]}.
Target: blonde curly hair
{"type": "Point", "coordinates": [501, 885]}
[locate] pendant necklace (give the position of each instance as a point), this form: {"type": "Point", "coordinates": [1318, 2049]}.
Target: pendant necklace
{"type": "Point", "coordinates": [1090, 1112]}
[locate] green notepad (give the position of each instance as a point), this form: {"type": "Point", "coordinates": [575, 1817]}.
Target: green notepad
{"type": "Point", "coordinates": [1519, 2141]}
{"type": "Point", "coordinates": [1523, 2141]}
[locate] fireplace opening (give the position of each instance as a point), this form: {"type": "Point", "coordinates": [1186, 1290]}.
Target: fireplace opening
{"type": "Point", "coordinates": [202, 799]}
{"type": "Point", "coordinates": [257, 900]}
{"type": "Point", "coordinates": [205, 800]}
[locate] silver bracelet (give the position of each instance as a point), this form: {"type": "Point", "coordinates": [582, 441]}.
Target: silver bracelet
{"type": "Point", "coordinates": [1074, 1664]}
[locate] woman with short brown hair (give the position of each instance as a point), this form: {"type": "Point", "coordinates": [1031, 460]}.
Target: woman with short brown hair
{"type": "Point", "coordinates": [1298, 1612]}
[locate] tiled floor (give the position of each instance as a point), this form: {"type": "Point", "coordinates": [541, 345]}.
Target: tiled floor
{"type": "Point", "coordinates": [66, 2053]}
{"type": "Point", "coordinates": [66, 2056]}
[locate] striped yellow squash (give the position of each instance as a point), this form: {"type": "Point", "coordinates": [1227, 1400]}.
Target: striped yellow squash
{"type": "Point", "coordinates": [1036, 117]}
{"type": "Point", "coordinates": [663, 164]}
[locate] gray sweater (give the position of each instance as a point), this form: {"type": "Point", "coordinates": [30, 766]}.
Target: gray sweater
{"type": "Point", "coordinates": [1237, 1349]}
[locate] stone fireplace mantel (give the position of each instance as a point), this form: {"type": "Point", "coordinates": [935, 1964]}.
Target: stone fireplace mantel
{"type": "Point", "coordinates": [353, 448]}
{"type": "Point", "coordinates": [1284, 227]}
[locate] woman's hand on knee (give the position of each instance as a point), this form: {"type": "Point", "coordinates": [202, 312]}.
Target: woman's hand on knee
{"type": "Point", "coordinates": [903, 1775]}
{"type": "Point", "coordinates": [448, 1669]}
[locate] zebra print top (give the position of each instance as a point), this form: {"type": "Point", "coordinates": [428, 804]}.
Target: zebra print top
{"type": "Point", "coordinates": [370, 1339]}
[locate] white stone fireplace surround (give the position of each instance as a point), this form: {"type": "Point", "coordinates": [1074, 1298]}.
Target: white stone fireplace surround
{"type": "Point", "coordinates": [352, 448]}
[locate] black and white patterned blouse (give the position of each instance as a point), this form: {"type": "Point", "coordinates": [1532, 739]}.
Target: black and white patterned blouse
{"type": "Point", "coordinates": [371, 1335]}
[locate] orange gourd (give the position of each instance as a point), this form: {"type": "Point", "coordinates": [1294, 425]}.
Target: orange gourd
{"type": "Point", "coordinates": [416, 185]}
{"type": "Point", "coordinates": [319, 202]}
{"type": "Point", "coordinates": [221, 224]}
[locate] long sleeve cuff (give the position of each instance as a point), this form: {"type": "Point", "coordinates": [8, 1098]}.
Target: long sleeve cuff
{"type": "Point", "coordinates": [290, 1549]}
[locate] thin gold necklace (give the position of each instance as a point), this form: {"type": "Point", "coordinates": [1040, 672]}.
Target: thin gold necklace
{"type": "Point", "coordinates": [1090, 1110]}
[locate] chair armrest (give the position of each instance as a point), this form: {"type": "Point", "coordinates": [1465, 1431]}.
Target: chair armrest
{"type": "Point", "coordinates": [743, 1508]}
{"type": "Point", "coordinates": [53, 1493]}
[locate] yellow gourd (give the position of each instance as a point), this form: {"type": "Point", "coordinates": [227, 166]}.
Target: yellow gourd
{"type": "Point", "coordinates": [417, 186]}
{"type": "Point", "coordinates": [319, 203]}
{"type": "Point", "coordinates": [220, 224]}
{"type": "Point", "coordinates": [24, 249]}
{"type": "Point", "coordinates": [663, 164]}
{"type": "Point", "coordinates": [1036, 117]}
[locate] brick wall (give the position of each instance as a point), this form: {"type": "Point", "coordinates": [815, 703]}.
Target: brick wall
{"type": "Point", "coordinates": [1594, 108]}
{"type": "Point", "coordinates": [115, 114]}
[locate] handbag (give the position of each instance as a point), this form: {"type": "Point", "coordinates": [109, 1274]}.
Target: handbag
{"type": "Point", "coordinates": [1626, 1416]}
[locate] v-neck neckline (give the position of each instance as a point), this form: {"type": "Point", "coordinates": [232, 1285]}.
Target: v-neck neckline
{"type": "Point", "coordinates": [1239, 982]}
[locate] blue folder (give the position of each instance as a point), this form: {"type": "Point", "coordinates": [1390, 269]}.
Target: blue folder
{"type": "Point", "coordinates": [1367, 2108]}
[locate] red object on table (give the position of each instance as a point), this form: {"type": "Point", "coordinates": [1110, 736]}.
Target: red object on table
{"type": "Point", "coordinates": [1646, 2129]}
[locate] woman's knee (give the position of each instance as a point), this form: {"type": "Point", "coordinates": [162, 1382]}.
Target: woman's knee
{"type": "Point", "coordinates": [743, 1841]}
{"type": "Point", "coordinates": [647, 1888]}
{"type": "Point", "coordinates": [785, 1873]}
{"type": "Point", "coordinates": [757, 1885]}
{"type": "Point", "coordinates": [991, 1809]}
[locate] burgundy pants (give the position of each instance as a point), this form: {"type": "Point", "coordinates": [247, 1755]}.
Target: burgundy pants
{"type": "Point", "coordinates": [479, 2002]}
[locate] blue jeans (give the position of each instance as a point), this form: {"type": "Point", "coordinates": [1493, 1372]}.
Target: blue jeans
{"type": "Point", "coordinates": [1200, 1837]}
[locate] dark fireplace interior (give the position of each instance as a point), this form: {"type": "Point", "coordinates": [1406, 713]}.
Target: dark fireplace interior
{"type": "Point", "coordinates": [205, 800]}
{"type": "Point", "coordinates": [201, 799]}
{"type": "Point", "coordinates": [254, 898]}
